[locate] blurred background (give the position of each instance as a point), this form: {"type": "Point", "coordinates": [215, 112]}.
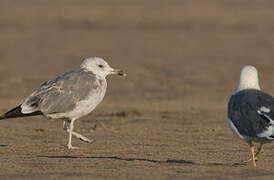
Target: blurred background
{"type": "Point", "coordinates": [182, 57]}
{"type": "Point", "coordinates": [172, 50]}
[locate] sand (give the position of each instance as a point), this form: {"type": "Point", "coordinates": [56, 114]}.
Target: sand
{"type": "Point", "coordinates": [167, 119]}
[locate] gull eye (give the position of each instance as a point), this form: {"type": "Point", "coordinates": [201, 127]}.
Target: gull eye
{"type": "Point", "coordinates": [100, 66]}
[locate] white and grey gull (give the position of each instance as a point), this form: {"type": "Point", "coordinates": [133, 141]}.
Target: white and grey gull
{"type": "Point", "coordinates": [68, 96]}
{"type": "Point", "coordinates": [251, 112]}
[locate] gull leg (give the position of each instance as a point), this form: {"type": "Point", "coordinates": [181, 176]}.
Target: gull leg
{"type": "Point", "coordinates": [259, 149]}
{"type": "Point", "coordinates": [79, 136]}
{"type": "Point", "coordinates": [70, 135]}
{"type": "Point", "coordinates": [257, 153]}
{"type": "Point", "coordinates": [253, 153]}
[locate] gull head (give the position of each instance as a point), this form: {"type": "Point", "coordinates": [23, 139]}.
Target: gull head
{"type": "Point", "coordinates": [248, 78]}
{"type": "Point", "coordinates": [99, 67]}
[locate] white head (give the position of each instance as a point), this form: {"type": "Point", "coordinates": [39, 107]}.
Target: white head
{"type": "Point", "coordinates": [100, 67]}
{"type": "Point", "coordinates": [248, 78]}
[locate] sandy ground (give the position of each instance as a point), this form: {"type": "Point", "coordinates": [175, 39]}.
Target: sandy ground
{"type": "Point", "coordinates": [167, 119]}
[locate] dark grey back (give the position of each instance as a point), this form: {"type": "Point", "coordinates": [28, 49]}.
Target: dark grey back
{"type": "Point", "coordinates": [243, 111]}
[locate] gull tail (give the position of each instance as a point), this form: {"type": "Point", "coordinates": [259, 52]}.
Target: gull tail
{"type": "Point", "coordinates": [17, 112]}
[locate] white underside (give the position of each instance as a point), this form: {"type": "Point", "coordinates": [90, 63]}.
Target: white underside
{"type": "Point", "coordinates": [267, 133]}
{"type": "Point", "coordinates": [270, 130]}
{"type": "Point", "coordinates": [83, 107]}
{"type": "Point", "coordinates": [234, 129]}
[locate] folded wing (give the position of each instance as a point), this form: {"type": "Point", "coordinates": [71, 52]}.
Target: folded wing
{"type": "Point", "coordinates": [251, 112]}
{"type": "Point", "coordinates": [58, 95]}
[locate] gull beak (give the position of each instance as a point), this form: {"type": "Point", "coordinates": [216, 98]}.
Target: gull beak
{"type": "Point", "coordinates": [118, 72]}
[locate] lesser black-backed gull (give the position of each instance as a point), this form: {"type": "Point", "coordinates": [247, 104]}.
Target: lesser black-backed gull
{"type": "Point", "coordinates": [69, 96]}
{"type": "Point", "coordinates": [251, 112]}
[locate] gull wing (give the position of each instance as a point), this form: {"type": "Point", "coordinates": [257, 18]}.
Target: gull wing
{"type": "Point", "coordinates": [61, 94]}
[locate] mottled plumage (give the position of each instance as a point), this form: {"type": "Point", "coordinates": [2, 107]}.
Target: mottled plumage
{"type": "Point", "coordinates": [61, 94]}
{"type": "Point", "coordinates": [69, 96]}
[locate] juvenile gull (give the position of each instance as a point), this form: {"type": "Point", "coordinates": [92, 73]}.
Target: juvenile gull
{"type": "Point", "coordinates": [69, 96]}
{"type": "Point", "coordinates": [251, 112]}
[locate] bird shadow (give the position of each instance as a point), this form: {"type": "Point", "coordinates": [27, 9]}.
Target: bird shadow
{"type": "Point", "coordinates": [237, 164]}
{"type": "Point", "coordinates": [169, 161]}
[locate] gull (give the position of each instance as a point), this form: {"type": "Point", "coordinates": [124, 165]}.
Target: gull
{"type": "Point", "coordinates": [251, 112]}
{"type": "Point", "coordinates": [68, 96]}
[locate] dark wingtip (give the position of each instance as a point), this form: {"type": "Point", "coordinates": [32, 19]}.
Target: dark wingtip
{"type": "Point", "coordinates": [16, 113]}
